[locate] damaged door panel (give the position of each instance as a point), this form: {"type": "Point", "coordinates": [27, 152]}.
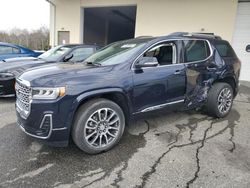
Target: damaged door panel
{"type": "Point", "coordinates": [201, 70]}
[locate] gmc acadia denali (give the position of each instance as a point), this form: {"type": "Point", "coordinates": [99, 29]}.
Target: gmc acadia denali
{"type": "Point", "coordinates": [92, 101]}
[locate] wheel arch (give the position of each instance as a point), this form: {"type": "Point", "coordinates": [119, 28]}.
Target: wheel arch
{"type": "Point", "coordinates": [229, 79]}
{"type": "Point", "coordinates": [116, 95]}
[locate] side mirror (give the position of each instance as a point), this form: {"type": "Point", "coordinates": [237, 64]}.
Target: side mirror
{"type": "Point", "coordinates": [147, 62]}
{"type": "Point", "coordinates": [68, 57]}
{"type": "Point", "coordinates": [248, 48]}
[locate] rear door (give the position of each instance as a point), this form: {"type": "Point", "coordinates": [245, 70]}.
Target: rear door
{"type": "Point", "coordinates": [200, 70]}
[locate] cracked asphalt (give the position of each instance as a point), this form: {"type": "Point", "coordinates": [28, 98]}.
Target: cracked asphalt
{"type": "Point", "coordinates": [183, 149]}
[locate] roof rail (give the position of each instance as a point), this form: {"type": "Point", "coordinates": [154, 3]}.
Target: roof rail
{"type": "Point", "coordinates": [187, 34]}
{"type": "Point", "coordinates": [139, 37]}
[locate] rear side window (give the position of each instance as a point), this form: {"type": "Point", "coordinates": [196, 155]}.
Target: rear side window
{"type": "Point", "coordinates": [195, 50]}
{"type": "Point", "coordinates": [224, 49]}
{"type": "Point", "coordinates": [5, 50]}
{"type": "Point", "coordinates": [16, 51]}
{"type": "Point", "coordinates": [8, 50]}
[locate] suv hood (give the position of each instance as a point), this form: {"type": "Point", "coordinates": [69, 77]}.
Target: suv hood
{"type": "Point", "coordinates": [62, 74]}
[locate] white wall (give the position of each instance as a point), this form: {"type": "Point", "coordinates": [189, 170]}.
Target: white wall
{"type": "Point", "coordinates": [162, 17]}
{"type": "Point", "coordinates": [156, 17]}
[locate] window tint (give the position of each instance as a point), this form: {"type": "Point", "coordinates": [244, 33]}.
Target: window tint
{"type": "Point", "coordinates": [80, 54]}
{"type": "Point", "coordinates": [16, 51]}
{"type": "Point", "coordinates": [195, 50]}
{"type": "Point", "coordinates": [164, 53]}
{"type": "Point", "coordinates": [117, 52]}
{"type": "Point", "coordinates": [224, 49]}
{"type": "Point", "coordinates": [55, 53]}
{"type": "Point", "coordinates": [5, 50]}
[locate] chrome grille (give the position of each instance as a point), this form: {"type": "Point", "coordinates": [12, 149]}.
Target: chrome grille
{"type": "Point", "coordinates": [23, 93]}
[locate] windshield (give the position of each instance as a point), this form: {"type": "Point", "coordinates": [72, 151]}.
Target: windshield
{"type": "Point", "coordinates": [55, 53]}
{"type": "Point", "coordinates": [116, 53]}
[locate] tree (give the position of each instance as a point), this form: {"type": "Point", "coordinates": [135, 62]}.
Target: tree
{"type": "Point", "coordinates": [36, 39]}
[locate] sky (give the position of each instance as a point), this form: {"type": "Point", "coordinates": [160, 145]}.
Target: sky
{"type": "Point", "coordinates": [23, 14]}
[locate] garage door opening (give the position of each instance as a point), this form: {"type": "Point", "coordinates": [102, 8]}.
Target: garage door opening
{"type": "Point", "coordinates": [105, 25]}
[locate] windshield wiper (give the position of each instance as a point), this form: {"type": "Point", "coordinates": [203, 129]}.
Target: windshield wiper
{"type": "Point", "coordinates": [91, 63]}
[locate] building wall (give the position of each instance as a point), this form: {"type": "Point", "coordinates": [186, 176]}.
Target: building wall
{"type": "Point", "coordinates": [68, 18]}
{"type": "Point", "coordinates": [156, 17]}
{"type": "Point", "coordinates": [166, 16]}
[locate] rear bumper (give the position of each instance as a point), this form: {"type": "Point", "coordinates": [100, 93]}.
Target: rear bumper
{"type": "Point", "coordinates": [7, 88]}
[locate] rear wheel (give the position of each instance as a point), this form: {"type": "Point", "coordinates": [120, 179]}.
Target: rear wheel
{"type": "Point", "coordinates": [98, 126]}
{"type": "Point", "coordinates": [220, 100]}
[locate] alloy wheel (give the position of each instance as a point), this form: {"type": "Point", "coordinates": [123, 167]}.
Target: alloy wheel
{"type": "Point", "coordinates": [225, 99]}
{"type": "Point", "coordinates": [102, 128]}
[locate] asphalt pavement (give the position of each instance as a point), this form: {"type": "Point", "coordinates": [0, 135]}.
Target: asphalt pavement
{"type": "Point", "coordinates": [183, 149]}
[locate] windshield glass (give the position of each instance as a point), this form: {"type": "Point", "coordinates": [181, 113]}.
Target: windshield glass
{"type": "Point", "coordinates": [116, 53]}
{"type": "Point", "coordinates": [55, 53]}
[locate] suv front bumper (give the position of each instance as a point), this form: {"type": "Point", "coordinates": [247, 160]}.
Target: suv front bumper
{"type": "Point", "coordinates": [43, 124]}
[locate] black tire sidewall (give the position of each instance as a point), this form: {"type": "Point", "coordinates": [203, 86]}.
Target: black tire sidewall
{"type": "Point", "coordinates": [213, 95]}
{"type": "Point", "coordinates": [84, 113]}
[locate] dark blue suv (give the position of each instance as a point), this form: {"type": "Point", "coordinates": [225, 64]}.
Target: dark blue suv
{"type": "Point", "coordinates": [94, 100]}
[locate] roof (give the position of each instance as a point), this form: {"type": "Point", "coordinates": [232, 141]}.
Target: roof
{"type": "Point", "coordinates": [78, 45]}
{"type": "Point", "coordinates": [181, 35]}
{"type": "Point", "coordinates": [15, 46]}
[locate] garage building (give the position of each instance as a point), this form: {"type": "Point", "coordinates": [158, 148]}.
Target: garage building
{"type": "Point", "coordinates": [105, 21]}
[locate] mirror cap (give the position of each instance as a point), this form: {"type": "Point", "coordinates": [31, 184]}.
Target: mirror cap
{"type": "Point", "coordinates": [248, 48]}
{"type": "Point", "coordinates": [147, 62]}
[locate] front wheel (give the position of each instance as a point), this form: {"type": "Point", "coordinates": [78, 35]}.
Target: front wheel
{"type": "Point", "coordinates": [98, 126]}
{"type": "Point", "coordinates": [220, 100]}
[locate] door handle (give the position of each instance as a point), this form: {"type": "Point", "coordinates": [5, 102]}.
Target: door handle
{"type": "Point", "coordinates": [177, 72]}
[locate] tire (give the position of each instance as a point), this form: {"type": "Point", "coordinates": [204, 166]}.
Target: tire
{"type": "Point", "coordinates": [98, 126]}
{"type": "Point", "coordinates": [220, 100]}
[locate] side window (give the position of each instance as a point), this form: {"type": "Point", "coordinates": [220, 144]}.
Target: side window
{"type": "Point", "coordinates": [16, 50]}
{"type": "Point", "coordinates": [224, 49]}
{"type": "Point", "coordinates": [195, 50]}
{"type": "Point", "coordinates": [5, 50]}
{"type": "Point", "coordinates": [165, 53]}
{"type": "Point", "coordinates": [80, 54]}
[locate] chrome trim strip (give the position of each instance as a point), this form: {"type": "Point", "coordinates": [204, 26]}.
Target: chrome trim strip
{"type": "Point", "coordinates": [59, 129]}
{"type": "Point", "coordinates": [159, 106]}
{"type": "Point", "coordinates": [5, 96]}
{"type": "Point", "coordinates": [40, 137]}
{"type": "Point", "coordinates": [27, 83]}
{"type": "Point", "coordinates": [171, 40]}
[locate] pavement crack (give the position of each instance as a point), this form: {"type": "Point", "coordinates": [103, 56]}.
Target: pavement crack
{"type": "Point", "coordinates": [231, 139]}
{"type": "Point", "coordinates": [242, 101]}
{"type": "Point", "coordinates": [196, 175]}
{"type": "Point", "coordinates": [152, 170]}
{"type": "Point", "coordinates": [96, 180]}
{"type": "Point", "coordinates": [148, 128]}
{"type": "Point", "coordinates": [231, 123]}
{"type": "Point", "coordinates": [119, 175]}
{"type": "Point", "coordinates": [191, 132]}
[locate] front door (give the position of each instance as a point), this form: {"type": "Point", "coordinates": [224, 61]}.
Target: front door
{"type": "Point", "coordinates": [156, 86]}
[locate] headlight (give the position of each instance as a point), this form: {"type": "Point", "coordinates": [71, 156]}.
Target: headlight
{"type": "Point", "coordinates": [5, 75]}
{"type": "Point", "coordinates": [48, 93]}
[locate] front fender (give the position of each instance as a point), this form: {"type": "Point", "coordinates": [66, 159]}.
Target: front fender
{"type": "Point", "coordinates": [82, 97]}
